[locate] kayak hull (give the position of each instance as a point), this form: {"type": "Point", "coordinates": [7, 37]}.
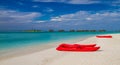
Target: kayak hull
{"type": "Point", "coordinates": [77, 47]}
{"type": "Point", "coordinates": [104, 36]}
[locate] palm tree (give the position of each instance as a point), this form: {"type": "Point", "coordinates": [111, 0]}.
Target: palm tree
{"type": "Point", "coordinates": [72, 30]}
{"type": "Point", "coordinates": [51, 30]}
{"type": "Point", "coordinates": [61, 31]}
{"type": "Point", "coordinates": [92, 30]}
{"type": "Point", "coordinates": [86, 30]}
{"type": "Point", "coordinates": [102, 30]}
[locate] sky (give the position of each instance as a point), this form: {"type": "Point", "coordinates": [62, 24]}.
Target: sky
{"type": "Point", "coordinates": [59, 14]}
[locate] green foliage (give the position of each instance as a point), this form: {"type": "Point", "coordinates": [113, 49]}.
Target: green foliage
{"type": "Point", "coordinates": [32, 31]}
{"type": "Point", "coordinates": [72, 30]}
{"type": "Point", "coordinates": [51, 30]}
{"type": "Point", "coordinates": [61, 31]}
{"type": "Point", "coordinates": [102, 30]}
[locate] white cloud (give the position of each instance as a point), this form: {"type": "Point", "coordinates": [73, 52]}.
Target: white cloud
{"type": "Point", "coordinates": [56, 19]}
{"type": "Point", "coordinates": [44, 0]}
{"type": "Point", "coordinates": [69, 1]}
{"type": "Point", "coordinates": [88, 16]}
{"type": "Point", "coordinates": [78, 16]}
{"type": "Point", "coordinates": [111, 2]}
{"type": "Point", "coordinates": [88, 20]}
{"type": "Point", "coordinates": [82, 1]}
{"type": "Point", "coordinates": [39, 21]}
{"type": "Point", "coordinates": [15, 16]}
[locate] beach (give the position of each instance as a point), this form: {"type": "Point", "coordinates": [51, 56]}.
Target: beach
{"type": "Point", "coordinates": [109, 54]}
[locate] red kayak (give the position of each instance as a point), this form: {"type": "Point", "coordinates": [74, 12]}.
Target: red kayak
{"type": "Point", "coordinates": [85, 45]}
{"type": "Point", "coordinates": [77, 47]}
{"type": "Point", "coordinates": [84, 49]}
{"type": "Point", "coordinates": [107, 36]}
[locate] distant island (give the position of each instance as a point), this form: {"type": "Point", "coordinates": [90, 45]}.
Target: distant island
{"type": "Point", "coordinates": [51, 30]}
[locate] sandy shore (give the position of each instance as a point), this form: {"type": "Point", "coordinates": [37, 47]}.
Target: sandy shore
{"type": "Point", "coordinates": [109, 54]}
{"type": "Point", "coordinates": [25, 50]}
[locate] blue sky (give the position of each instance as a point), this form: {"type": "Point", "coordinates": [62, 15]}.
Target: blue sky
{"type": "Point", "coordinates": [59, 14]}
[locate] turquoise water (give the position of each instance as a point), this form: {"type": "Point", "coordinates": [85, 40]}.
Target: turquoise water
{"type": "Point", "coordinates": [14, 40]}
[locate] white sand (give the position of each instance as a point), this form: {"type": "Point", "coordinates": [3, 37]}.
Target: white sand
{"type": "Point", "coordinates": [109, 54]}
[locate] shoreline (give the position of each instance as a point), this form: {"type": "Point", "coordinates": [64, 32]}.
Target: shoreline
{"type": "Point", "coordinates": [16, 52]}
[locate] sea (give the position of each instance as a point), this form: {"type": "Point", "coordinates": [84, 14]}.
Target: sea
{"type": "Point", "coordinates": [10, 40]}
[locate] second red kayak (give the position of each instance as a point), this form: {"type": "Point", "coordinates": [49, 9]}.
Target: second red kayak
{"type": "Point", "coordinates": [106, 36]}
{"type": "Point", "coordinates": [77, 45]}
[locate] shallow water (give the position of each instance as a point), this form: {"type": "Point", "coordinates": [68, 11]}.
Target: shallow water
{"type": "Point", "coordinates": [17, 40]}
